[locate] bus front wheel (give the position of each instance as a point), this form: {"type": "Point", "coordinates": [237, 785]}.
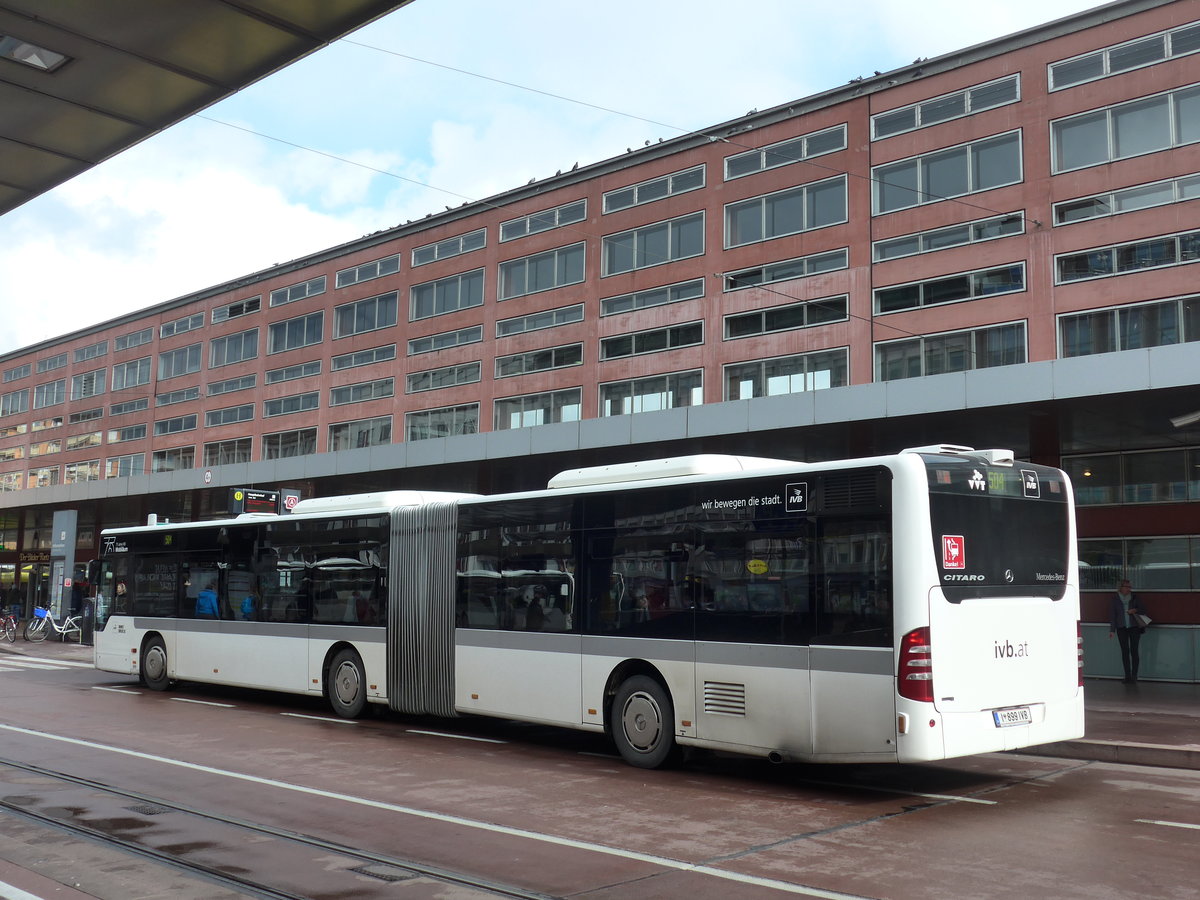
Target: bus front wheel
{"type": "Point", "coordinates": [347, 685]}
{"type": "Point", "coordinates": [643, 723]}
{"type": "Point", "coordinates": [153, 670]}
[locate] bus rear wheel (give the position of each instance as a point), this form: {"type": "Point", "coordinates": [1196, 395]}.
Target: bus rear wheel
{"type": "Point", "coordinates": [347, 685]}
{"type": "Point", "coordinates": [643, 722]}
{"type": "Point", "coordinates": [153, 668]}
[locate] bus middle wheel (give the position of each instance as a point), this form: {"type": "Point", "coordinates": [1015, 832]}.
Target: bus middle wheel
{"type": "Point", "coordinates": [347, 685]}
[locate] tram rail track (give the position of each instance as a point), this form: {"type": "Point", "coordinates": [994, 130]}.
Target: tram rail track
{"type": "Point", "coordinates": [202, 856]}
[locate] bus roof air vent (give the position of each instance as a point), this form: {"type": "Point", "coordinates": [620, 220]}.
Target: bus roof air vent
{"type": "Point", "coordinates": [995, 457]}
{"type": "Point", "coordinates": [381, 500]}
{"type": "Point", "coordinates": [674, 467]}
{"type": "Point", "coordinates": [957, 449]}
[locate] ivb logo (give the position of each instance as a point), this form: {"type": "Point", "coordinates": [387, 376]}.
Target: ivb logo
{"type": "Point", "coordinates": [797, 497]}
{"type": "Point", "coordinates": [954, 552]}
{"type": "Point", "coordinates": [1029, 484]}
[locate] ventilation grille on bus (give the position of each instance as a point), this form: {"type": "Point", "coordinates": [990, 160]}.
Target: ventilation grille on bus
{"type": "Point", "coordinates": [724, 699]}
{"type": "Point", "coordinates": [851, 490]}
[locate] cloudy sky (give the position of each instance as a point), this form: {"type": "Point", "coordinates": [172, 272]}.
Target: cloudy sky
{"type": "Point", "coordinates": [395, 121]}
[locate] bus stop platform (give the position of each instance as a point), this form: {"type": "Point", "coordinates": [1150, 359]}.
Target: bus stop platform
{"type": "Point", "coordinates": [1150, 723]}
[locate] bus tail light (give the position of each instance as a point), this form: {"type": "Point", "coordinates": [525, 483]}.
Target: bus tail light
{"type": "Point", "coordinates": [915, 676]}
{"type": "Point", "coordinates": [1079, 650]}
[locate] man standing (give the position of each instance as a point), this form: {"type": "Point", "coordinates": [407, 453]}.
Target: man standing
{"type": "Point", "coordinates": [1123, 609]}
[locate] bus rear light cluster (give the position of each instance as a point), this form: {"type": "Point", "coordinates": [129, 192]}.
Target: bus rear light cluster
{"type": "Point", "coordinates": [1079, 650]}
{"type": "Point", "coordinates": [915, 676]}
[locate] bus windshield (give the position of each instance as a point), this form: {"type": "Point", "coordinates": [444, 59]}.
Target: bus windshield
{"type": "Point", "coordinates": [998, 531]}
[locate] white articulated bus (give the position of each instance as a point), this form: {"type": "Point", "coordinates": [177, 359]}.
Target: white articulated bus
{"type": "Point", "coordinates": [917, 606]}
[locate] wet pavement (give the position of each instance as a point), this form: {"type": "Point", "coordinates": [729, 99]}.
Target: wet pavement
{"type": "Point", "coordinates": [1151, 723]}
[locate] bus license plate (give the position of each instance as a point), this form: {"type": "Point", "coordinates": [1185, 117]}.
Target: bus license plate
{"type": "Point", "coordinates": [1007, 717]}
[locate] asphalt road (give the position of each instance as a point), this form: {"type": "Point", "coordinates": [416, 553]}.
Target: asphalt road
{"type": "Point", "coordinates": [224, 781]}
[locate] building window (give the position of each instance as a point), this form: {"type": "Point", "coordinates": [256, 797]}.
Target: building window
{"type": "Point", "coordinates": [951, 289]}
{"type": "Point", "coordinates": [952, 351]}
{"type": "Point", "coordinates": [11, 481]}
{"type": "Point", "coordinates": [360, 393]}
{"type": "Point", "coordinates": [436, 423]}
{"type": "Point", "coordinates": [950, 236]}
{"type": "Point", "coordinates": [125, 466]}
{"type": "Point", "coordinates": [363, 433]}
{"type": "Point", "coordinates": [284, 444]}
{"type": "Point", "coordinates": [14, 403]}
{"type": "Point", "coordinates": [44, 477]}
{"type": "Point", "coordinates": [542, 271]}
{"type": "Point", "coordinates": [954, 172]}
{"type": "Point", "coordinates": [653, 245]}
{"type": "Point", "coordinates": [134, 339]}
{"type": "Point", "coordinates": [291, 373]}
{"type": "Point", "coordinates": [1155, 253]}
{"type": "Point", "coordinates": [292, 334]}
{"type": "Point", "coordinates": [364, 357]}
{"type": "Point", "coordinates": [446, 295]}
{"type": "Point", "coordinates": [1154, 476]}
{"type": "Point", "coordinates": [787, 318]}
{"type": "Point", "coordinates": [661, 296]}
{"type": "Point", "coordinates": [539, 409]}
{"type": "Point", "coordinates": [79, 472]}
{"type": "Point", "coordinates": [787, 375]}
{"type": "Point", "coordinates": [652, 341]}
{"type": "Point", "coordinates": [17, 372]}
{"type": "Point", "coordinates": [174, 460]}
{"type": "Point", "coordinates": [129, 406]}
{"type": "Point", "coordinates": [83, 354]}
{"type": "Point", "coordinates": [8, 454]}
{"type": "Point", "coordinates": [128, 433]}
{"type": "Point", "coordinates": [655, 189]}
{"type": "Point", "coordinates": [1126, 130]}
{"type": "Point", "coordinates": [230, 415]}
{"type": "Point", "coordinates": [84, 441]}
{"type": "Point", "coordinates": [285, 406]}
{"type": "Point", "coordinates": [1144, 51]}
{"type": "Point", "coordinates": [292, 293]}
{"type": "Point", "coordinates": [50, 363]}
{"type": "Point", "coordinates": [550, 318]}
{"type": "Point", "coordinates": [786, 152]}
{"type": "Point", "coordinates": [471, 335]}
{"type": "Point", "coordinates": [131, 374]}
{"type": "Point", "coordinates": [361, 316]}
{"type": "Point", "coordinates": [1151, 563]}
{"type": "Point", "coordinates": [45, 448]}
{"type": "Point", "coordinates": [1142, 196]}
{"type": "Point", "coordinates": [236, 309]}
{"type": "Point", "coordinates": [181, 326]}
{"type": "Point", "coordinates": [85, 415]}
{"type": "Point", "coordinates": [230, 385]}
{"type": "Point", "coordinates": [175, 363]}
{"type": "Point", "coordinates": [224, 453]}
{"type": "Point", "coordinates": [792, 211]}
{"type": "Point", "coordinates": [235, 348]}
{"type": "Point", "coordinates": [946, 107]}
{"type": "Point", "coordinates": [787, 270]}
{"type": "Point", "coordinates": [657, 392]}
{"type": "Point", "coordinates": [1175, 321]}
{"type": "Point", "coordinates": [450, 247]}
{"type": "Point", "coordinates": [539, 360]}
{"type": "Point", "coordinates": [448, 376]}
{"type": "Point", "coordinates": [175, 425]}
{"type": "Point", "coordinates": [185, 395]}
{"type": "Point", "coordinates": [45, 424]}
{"type": "Point", "coordinates": [50, 394]}
{"type": "Point", "coordinates": [367, 271]}
{"type": "Point", "coordinates": [547, 219]}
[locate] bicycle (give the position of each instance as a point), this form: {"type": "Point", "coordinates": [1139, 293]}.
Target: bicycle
{"type": "Point", "coordinates": [9, 627]}
{"type": "Point", "coordinates": [39, 627]}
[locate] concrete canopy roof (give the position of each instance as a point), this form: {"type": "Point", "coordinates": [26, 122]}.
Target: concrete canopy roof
{"type": "Point", "coordinates": [135, 67]}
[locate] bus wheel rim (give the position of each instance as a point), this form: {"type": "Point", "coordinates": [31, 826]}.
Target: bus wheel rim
{"type": "Point", "coordinates": [346, 684]}
{"type": "Point", "coordinates": [642, 722]}
{"type": "Point", "coordinates": [156, 663]}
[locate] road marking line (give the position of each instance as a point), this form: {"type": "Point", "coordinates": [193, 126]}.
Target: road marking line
{"type": "Point", "coordinates": [202, 702]}
{"type": "Point", "coordinates": [37, 660]}
{"type": "Point", "coordinates": [460, 821]}
{"type": "Point", "coordinates": [338, 720]}
{"type": "Point", "coordinates": [96, 687]}
{"type": "Point", "coordinates": [1169, 824]}
{"type": "Point", "coordinates": [881, 790]}
{"type": "Point", "coordinates": [22, 665]}
{"type": "Point", "coordinates": [459, 737]}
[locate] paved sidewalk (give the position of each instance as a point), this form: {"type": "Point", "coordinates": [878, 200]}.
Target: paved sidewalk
{"type": "Point", "coordinates": [1149, 723]}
